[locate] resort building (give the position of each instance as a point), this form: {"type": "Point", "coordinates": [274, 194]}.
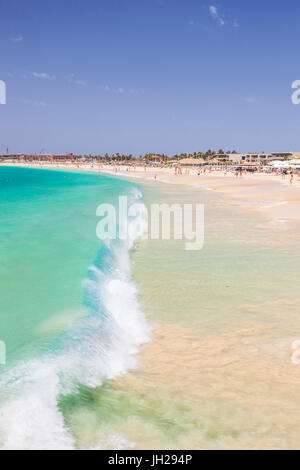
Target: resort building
{"type": "Point", "coordinates": [282, 155]}
{"type": "Point", "coordinates": [265, 158]}
{"type": "Point", "coordinates": [227, 158]}
{"type": "Point", "coordinates": [35, 157]}
{"type": "Point", "coordinates": [258, 158]}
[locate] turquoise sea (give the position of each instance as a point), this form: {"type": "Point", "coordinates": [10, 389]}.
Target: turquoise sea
{"type": "Point", "coordinates": [62, 296]}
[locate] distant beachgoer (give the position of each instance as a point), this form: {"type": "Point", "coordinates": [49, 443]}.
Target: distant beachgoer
{"type": "Point", "coordinates": [291, 177]}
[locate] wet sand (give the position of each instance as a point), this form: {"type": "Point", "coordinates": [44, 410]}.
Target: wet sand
{"type": "Point", "coordinates": [232, 393]}
{"type": "Point", "coordinates": [222, 372]}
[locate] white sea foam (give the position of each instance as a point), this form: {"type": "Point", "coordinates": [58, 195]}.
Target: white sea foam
{"type": "Point", "coordinates": [101, 346]}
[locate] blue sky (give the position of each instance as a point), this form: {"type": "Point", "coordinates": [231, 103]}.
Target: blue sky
{"type": "Point", "coordinates": [136, 76]}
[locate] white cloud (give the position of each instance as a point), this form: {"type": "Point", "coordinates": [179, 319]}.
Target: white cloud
{"type": "Point", "coordinates": [221, 19]}
{"type": "Point", "coordinates": [17, 39]}
{"type": "Point", "coordinates": [120, 91]}
{"type": "Point", "coordinates": [213, 10]}
{"type": "Point", "coordinates": [44, 75]}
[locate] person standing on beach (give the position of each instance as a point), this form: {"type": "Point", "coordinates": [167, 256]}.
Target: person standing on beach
{"type": "Point", "coordinates": [291, 177]}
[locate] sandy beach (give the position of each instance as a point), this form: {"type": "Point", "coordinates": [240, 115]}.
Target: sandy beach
{"type": "Point", "coordinates": [274, 196]}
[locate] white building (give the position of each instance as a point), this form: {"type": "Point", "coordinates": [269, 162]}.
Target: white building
{"type": "Point", "coordinates": [259, 158]}
{"type": "Point", "coordinates": [228, 157]}
{"type": "Point", "coordinates": [264, 158]}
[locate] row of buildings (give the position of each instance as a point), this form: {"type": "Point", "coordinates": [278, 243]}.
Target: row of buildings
{"type": "Point", "coordinates": [223, 158]}
{"type": "Point", "coordinates": [35, 157]}
{"type": "Point", "coordinates": [257, 158]}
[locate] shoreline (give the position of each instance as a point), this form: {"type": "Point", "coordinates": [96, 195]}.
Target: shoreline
{"type": "Point", "coordinates": [237, 351]}
{"type": "Point", "coordinates": [238, 359]}
{"type": "Point", "coordinates": [271, 195]}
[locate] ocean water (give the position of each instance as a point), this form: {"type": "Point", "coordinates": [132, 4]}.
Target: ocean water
{"type": "Point", "coordinates": [69, 314]}
{"type": "Point", "coordinates": [218, 371]}
{"type": "Point", "coordinates": [143, 344]}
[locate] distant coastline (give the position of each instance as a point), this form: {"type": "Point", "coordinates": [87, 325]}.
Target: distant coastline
{"type": "Point", "coordinates": [270, 193]}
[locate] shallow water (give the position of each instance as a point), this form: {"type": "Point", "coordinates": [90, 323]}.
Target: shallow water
{"type": "Point", "coordinates": [217, 372]}
{"type": "Point", "coordinates": [226, 317]}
